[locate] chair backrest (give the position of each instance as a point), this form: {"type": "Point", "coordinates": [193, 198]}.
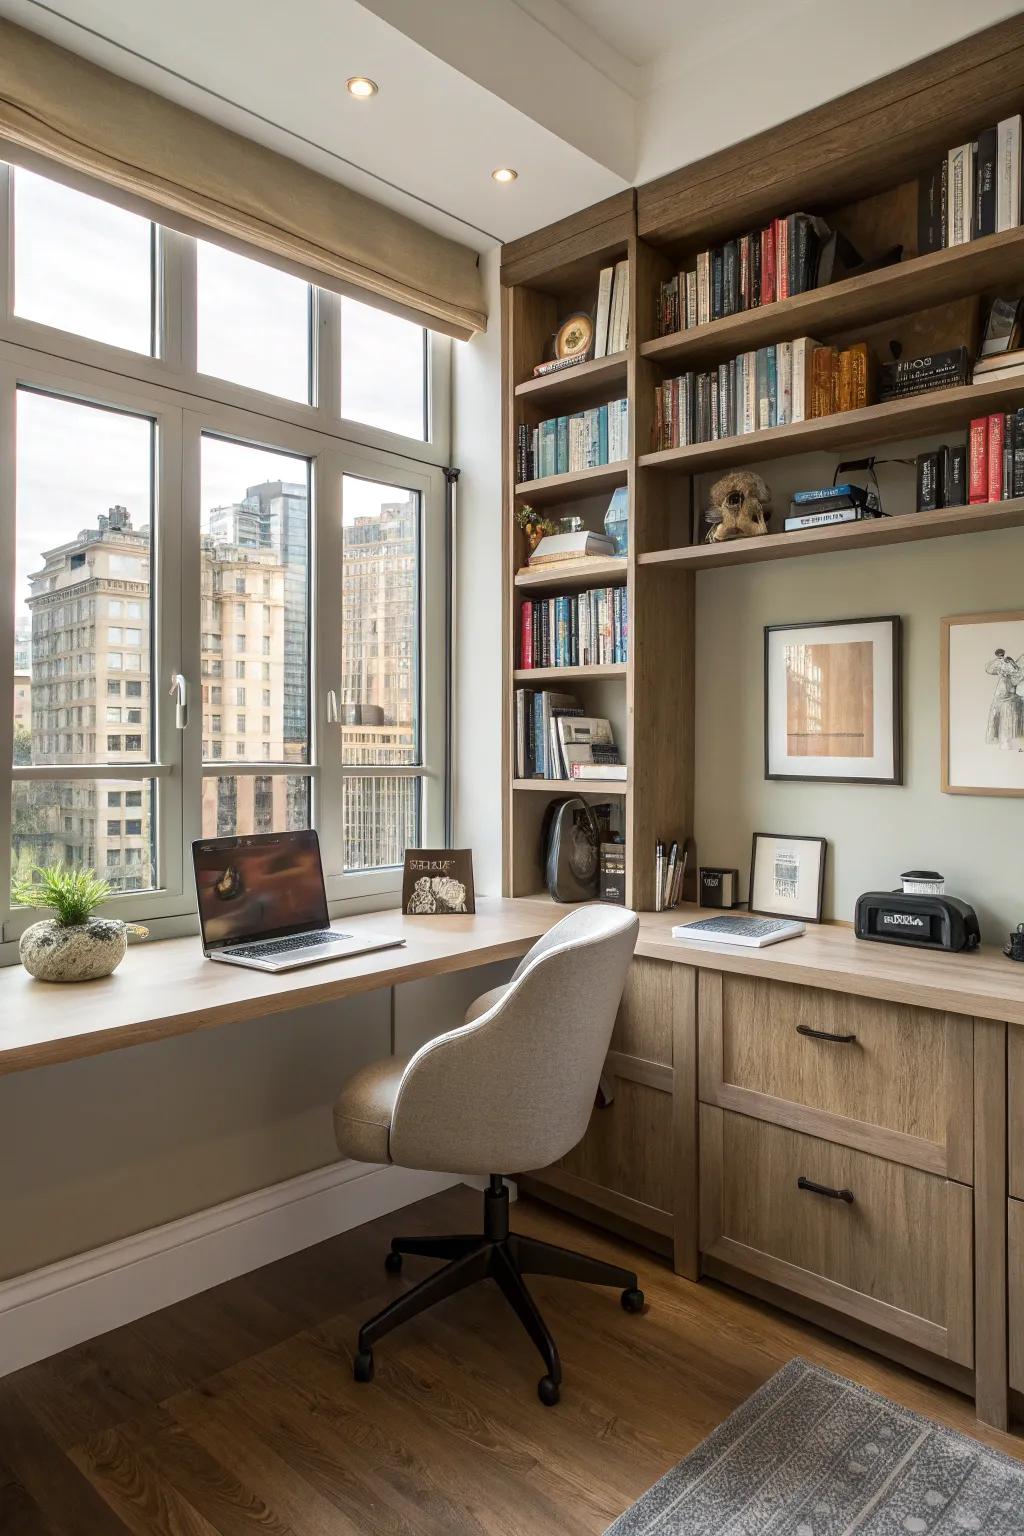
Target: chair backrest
{"type": "Point", "coordinates": [514, 1089]}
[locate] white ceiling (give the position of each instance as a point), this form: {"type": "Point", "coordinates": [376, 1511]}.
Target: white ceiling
{"type": "Point", "coordinates": [582, 97]}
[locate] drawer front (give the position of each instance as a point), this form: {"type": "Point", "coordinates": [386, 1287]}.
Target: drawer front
{"type": "Point", "coordinates": [1015, 1050]}
{"type": "Point", "coordinates": [898, 1257]}
{"type": "Point", "coordinates": [1015, 1225]}
{"type": "Point", "coordinates": [874, 1075]}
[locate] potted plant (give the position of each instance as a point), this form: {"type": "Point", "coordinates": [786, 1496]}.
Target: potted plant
{"type": "Point", "coordinates": [73, 944]}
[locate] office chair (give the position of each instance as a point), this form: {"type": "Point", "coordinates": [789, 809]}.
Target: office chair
{"type": "Point", "coordinates": [511, 1089]}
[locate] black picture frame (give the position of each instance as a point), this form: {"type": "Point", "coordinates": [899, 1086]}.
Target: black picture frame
{"type": "Point", "coordinates": [428, 878]}
{"type": "Point", "coordinates": [895, 624]}
{"type": "Point", "coordinates": [788, 837]}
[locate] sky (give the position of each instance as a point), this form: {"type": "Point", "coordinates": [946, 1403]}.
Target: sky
{"type": "Point", "coordinates": [85, 266]}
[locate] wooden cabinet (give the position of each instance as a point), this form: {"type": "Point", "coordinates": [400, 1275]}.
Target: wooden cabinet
{"type": "Point", "coordinates": [878, 1076]}
{"type": "Point", "coordinates": [1015, 1128]}
{"type": "Point", "coordinates": [895, 1253]}
{"type": "Point", "coordinates": [1015, 1278]}
{"type": "Point", "coordinates": [637, 1161]}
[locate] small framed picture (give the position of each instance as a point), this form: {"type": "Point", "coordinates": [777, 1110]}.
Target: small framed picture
{"type": "Point", "coordinates": [981, 672]}
{"type": "Point", "coordinates": [787, 876]}
{"type": "Point", "coordinates": [832, 701]}
{"type": "Point", "coordinates": [438, 882]}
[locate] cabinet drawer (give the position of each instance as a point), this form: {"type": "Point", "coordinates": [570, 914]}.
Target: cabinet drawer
{"type": "Point", "coordinates": [1015, 1052]}
{"type": "Point", "coordinates": [898, 1257]}
{"type": "Point", "coordinates": [1015, 1275]}
{"type": "Point", "coordinates": [873, 1075]}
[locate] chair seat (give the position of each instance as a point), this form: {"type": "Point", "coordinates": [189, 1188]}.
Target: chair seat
{"type": "Point", "coordinates": [485, 1002]}
{"type": "Point", "coordinates": [363, 1113]}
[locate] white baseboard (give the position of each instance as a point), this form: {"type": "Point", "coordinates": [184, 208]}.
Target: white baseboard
{"type": "Point", "coordinates": [78, 1298]}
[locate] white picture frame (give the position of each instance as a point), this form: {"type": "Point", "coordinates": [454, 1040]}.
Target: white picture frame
{"type": "Point", "coordinates": [981, 699]}
{"type": "Point", "coordinates": [787, 876]}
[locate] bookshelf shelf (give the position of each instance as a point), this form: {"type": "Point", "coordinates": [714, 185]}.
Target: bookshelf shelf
{"type": "Point", "coordinates": [595, 571]}
{"type": "Point", "coordinates": [569, 674]}
{"type": "Point", "coordinates": [573, 786]}
{"type": "Point", "coordinates": [919, 283]}
{"type": "Point", "coordinates": [582, 482]}
{"type": "Point", "coordinates": [936, 412]}
{"type": "Point", "coordinates": [584, 382]}
{"type": "Point", "coordinates": [824, 541]}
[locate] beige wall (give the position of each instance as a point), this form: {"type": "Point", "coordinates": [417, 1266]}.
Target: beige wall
{"type": "Point", "coordinates": [874, 832]}
{"type": "Point", "coordinates": [94, 1150]}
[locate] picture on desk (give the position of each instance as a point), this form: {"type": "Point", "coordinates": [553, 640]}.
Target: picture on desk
{"type": "Point", "coordinates": [832, 701]}
{"type": "Point", "coordinates": [787, 876]}
{"type": "Point", "coordinates": [982, 700]}
{"type": "Point", "coordinates": [438, 881]}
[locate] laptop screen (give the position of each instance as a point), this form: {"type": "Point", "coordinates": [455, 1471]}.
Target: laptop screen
{"type": "Point", "coordinates": [262, 887]}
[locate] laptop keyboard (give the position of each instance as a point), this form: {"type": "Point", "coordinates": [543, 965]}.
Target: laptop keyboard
{"type": "Point", "coordinates": [287, 946]}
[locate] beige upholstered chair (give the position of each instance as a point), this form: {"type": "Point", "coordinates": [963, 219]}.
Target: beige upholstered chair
{"type": "Point", "coordinates": [511, 1089]}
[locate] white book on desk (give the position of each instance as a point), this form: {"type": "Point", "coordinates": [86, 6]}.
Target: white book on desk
{"type": "Point", "coordinates": [751, 932]}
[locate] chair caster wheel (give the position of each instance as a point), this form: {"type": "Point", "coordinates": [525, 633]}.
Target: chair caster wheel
{"type": "Point", "coordinates": [548, 1391]}
{"type": "Point", "coordinates": [393, 1263]}
{"type": "Point", "coordinates": [633, 1301]}
{"type": "Point", "coordinates": [362, 1365]}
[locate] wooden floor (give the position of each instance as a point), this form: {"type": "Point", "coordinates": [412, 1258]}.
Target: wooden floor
{"type": "Point", "coordinates": [236, 1412]}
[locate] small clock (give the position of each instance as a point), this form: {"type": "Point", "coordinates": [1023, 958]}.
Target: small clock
{"type": "Point", "coordinates": [575, 337]}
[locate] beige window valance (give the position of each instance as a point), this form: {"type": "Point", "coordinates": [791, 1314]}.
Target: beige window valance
{"type": "Point", "coordinates": [192, 174]}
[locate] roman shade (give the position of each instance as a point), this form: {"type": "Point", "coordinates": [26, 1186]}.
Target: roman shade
{"type": "Point", "coordinates": [192, 174]}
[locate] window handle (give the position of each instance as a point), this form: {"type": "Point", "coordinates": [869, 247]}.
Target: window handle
{"type": "Point", "coordinates": [332, 707]}
{"type": "Point", "coordinates": [179, 692]}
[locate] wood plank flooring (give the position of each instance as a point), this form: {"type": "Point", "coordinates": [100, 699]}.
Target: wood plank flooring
{"type": "Point", "coordinates": [235, 1413]}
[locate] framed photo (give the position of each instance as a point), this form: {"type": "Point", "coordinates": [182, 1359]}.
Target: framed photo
{"type": "Point", "coordinates": [981, 681]}
{"type": "Point", "coordinates": [787, 876]}
{"type": "Point", "coordinates": [438, 882]}
{"type": "Point", "coordinates": [832, 701]}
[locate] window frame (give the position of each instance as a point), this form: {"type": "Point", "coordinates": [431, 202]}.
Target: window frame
{"type": "Point", "coordinates": [184, 404]}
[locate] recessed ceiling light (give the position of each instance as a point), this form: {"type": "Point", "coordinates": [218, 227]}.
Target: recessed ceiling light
{"type": "Point", "coordinates": [361, 87]}
{"type": "Point", "coordinates": [504, 173]}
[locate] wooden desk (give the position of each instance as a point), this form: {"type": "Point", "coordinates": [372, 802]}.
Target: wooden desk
{"type": "Point", "coordinates": [166, 987]}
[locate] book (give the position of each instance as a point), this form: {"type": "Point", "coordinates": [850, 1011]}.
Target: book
{"type": "Point", "coordinates": [823, 518]}
{"type": "Point", "coordinates": [994, 474]}
{"type": "Point", "coordinates": [618, 325]}
{"type": "Point", "coordinates": [824, 381]}
{"type": "Point", "coordinates": [557, 365]}
{"type": "Point", "coordinates": [803, 352]}
{"type": "Point", "coordinates": [611, 772]}
{"type": "Point", "coordinates": [960, 194]}
{"type": "Point", "coordinates": [954, 475]}
{"type": "Point", "coordinates": [1017, 487]}
{"type": "Point", "coordinates": [977, 482]}
{"type": "Point", "coordinates": [1002, 333]}
{"type": "Point", "coordinates": [1008, 183]}
{"type": "Point", "coordinates": [931, 210]}
{"type": "Point", "coordinates": [918, 375]}
{"type": "Point", "coordinates": [985, 167]}
{"type": "Point", "coordinates": [578, 735]}
{"type": "Point", "coordinates": [929, 481]}
{"type": "Point", "coordinates": [603, 315]}
{"type": "Point", "coordinates": [751, 932]}
{"type": "Point", "coordinates": [571, 546]}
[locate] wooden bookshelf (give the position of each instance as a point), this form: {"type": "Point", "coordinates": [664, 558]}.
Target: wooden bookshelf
{"type": "Point", "coordinates": [855, 161]}
{"type": "Point", "coordinates": [594, 571]}
{"type": "Point", "coordinates": [872, 533]}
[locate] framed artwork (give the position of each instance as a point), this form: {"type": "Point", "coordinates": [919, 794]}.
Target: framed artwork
{"type": "Point", "coordinates": [832, 701]}
{"type": "Point", "coordinates": [787, 876]}
{"type": "Point", "coordinates": [981, 682]}
{"type": "Point", "coordinates": [438, 882]}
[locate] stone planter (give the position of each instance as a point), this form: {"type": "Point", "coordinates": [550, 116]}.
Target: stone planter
{"type": "Point", "coordinates": [82, 952]}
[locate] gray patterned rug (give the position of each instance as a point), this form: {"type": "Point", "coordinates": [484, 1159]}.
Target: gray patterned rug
{"type": "Point", "coordinates": [812, 1454]}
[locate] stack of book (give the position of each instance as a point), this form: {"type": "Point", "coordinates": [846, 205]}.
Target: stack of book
{"type": "Point", "coordinates": [995, 456]}
{"type": "Point", "coordinates": [556, 548]}
{"type": "Point", "coordinates": [841, 380]}
{"type": "Point", "coordinates": [830, 504]}
{"type": "Point", "coordinates": [791, 255]}
{"type": "Point", "coordinates": [766, 388]}
{"type": "Point", "coordinates": [556, 740]}
{"type": "Point", "coordinates": [583, 629]}
{"type": "Point", "coordinates": [975, 190]}
{"type": "Point", "coordinates": [562, 445]}
{"type": "Point", "coordinates": [1001, 365]}
{"type": "Point", "coordinates": [920, 375]}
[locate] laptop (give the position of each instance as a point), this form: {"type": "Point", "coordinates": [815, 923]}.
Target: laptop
{"type": "Point", "coordinates": [262, 903]}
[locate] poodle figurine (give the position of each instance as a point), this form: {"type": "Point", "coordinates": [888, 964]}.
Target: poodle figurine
{"type": "Point", "coordinates": [740, 507]}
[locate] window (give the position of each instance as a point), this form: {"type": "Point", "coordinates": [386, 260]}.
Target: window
{"type": "Point", "coordinates": [113, 595]}
{"type": "Point", "coordinates": [81, 265]}
{"type": "Point", "coordinates": [383, 370]}
{"type": "Point", "coordinates": [253, 323]}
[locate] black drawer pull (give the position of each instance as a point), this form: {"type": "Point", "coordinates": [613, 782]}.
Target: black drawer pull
{"type": "Point", "coordinates": [823, 1034]}
{"type": "Point", "coordinates": [823, 1189]}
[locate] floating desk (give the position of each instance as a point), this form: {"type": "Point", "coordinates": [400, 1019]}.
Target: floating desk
{"type": "Point", "coordinates": [166, 987]}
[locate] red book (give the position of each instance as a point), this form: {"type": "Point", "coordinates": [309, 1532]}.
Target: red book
{"type": "Point", "coordinates": [996, 438]}
{"type": "Point", "coordinates": [768, 266]}
{"type": "Point", "coordinates": [526, 635]}
{"type": "Point", "coordinates": [977, 455]}
{"type": "Point", "coordinates": [781, 258]}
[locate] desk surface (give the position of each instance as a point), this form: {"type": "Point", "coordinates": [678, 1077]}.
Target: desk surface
{"type": "Point", "coordinates": [166, 987]}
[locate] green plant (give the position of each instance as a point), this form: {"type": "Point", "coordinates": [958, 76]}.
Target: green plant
{"type": "Point", "coordinates": [72, 895]}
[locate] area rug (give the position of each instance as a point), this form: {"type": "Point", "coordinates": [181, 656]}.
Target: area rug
{"type": "Point", "coordinates": [812, 1454]}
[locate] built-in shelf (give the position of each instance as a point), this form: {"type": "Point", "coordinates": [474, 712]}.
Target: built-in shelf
{"type": "Point", "coordinates": [917, 284]}
{"type": "Point", "coordinates": [940, 411]}
{"type": "Point", "coordinates": [582, 482]}
{"type": "Point", "coordinates": [573, 786]}
{"type": "Point", "coordinates": [868, 534]}
{"type": "Point", "coordinates": [597, 570]}
{"type": "Point", "coordinates": [584, 381]}
{"type": "Point", "coordinates": [569, 674]}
